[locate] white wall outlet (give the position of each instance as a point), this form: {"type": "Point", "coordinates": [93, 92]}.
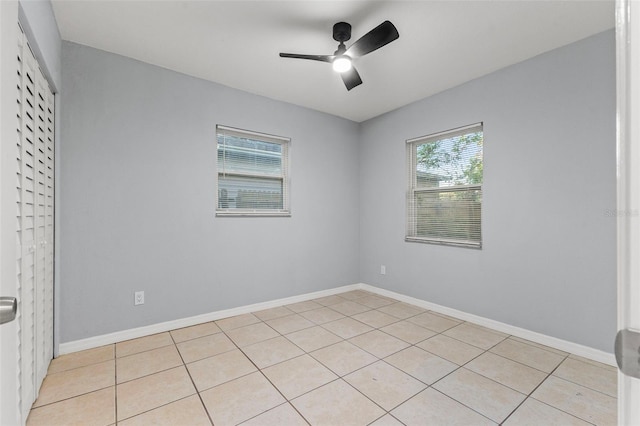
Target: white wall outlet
{"type": "Point", "coordinates": [138, 298]}
{"type": "Point", "coordinates": [383, 270]}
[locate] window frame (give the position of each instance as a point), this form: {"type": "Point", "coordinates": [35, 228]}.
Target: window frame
{"type": "Point", "coordinates": [285, 144]}
{"type": "Point", "coordinates": [414, 190]}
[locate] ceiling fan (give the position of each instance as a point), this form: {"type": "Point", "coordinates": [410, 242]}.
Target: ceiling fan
{"type": "Point", "coordinates": [342, 58]}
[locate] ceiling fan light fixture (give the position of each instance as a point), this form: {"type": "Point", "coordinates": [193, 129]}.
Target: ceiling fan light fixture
{"type": "Point", "coordinates": [342, 58]}
{"type": "Point", "coordinates": [342, 63]}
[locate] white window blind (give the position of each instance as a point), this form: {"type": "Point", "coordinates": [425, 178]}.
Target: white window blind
{"type": "Point", "coordinates": [444, 197]}
{"type": "Point", "coordinates": [253, 173]}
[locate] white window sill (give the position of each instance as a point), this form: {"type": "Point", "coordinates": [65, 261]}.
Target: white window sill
{"type": "Point", "coordinates": [253, 214]}
{"type": "Point", "coordinates": [443, 242]}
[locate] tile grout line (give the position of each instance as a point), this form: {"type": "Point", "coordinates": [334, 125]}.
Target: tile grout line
{"type": "Point", "coordinates": [342, 378]}
{"type": "Point", "coordinates": [69, 398]}
{"type": "Point", "coordinates": [562, 411]}
{"type": "Point", "coordinates": [115, 384]}
{"type": "Point", "coordinates": [155, 408]}
{"type": "Point", "coordinates": [350, 372]}
{"type": "Point", "coordinates": [267, 378]}
{"type": "Point", "coordinates": [378, 359]}
{"type": "Point", "coordinates": [464, 405]}
{"type": "Point", "coordinates": [580, 384]}
{"type": "Point", "coordinates": [462, 366]}
{"type": "Point", "coordinates": [189, 373]}
{"type": "Point", "coordinates": [171, 368]}
{"type": "Point", "coordinates": [249, 359]}
{"type": "Point", "coordinates": [303, 350]}
{"type": "Point", "coordinates": [414, 344]}
{"type": "Point", "coordinates": [568, 356]}
{"type": "Point", "coordinates": [155, 372]}
{"type": "Point", "coordinates": [362, 393]}
{"type": "Point", "coordinates": [184, 364]}
{"type": "Point", "coordinates": [338, 377]}
{"type": "Point", "coordinates": [548, 374]}
{"type": "Point", "coordinates": [527, 396]}
{"type": "Point", "coordinates": [584, 386]}
{"type": "Point", "coordinates": [540, 346]}
{"type": "Point", "coordinates": [536, 388]}
{"type": "Point", "coordinates": [521, 363]}
{"type": "Point", "coordinates": [73, 396]}
{"type": "Point", "coordinates": [592, 363]}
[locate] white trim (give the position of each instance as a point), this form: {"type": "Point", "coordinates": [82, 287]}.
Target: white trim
{"type": "Point", "coordinates": [252, 213]}
{"type": "Point", "coordinates": [119, 336]}
{"type": "Point", "coordinates": [133, 333]}
{"type": "Point", "coordinates": [443, 241]}
{"type": "Point", "coordinates": [242, 133]}
{"type": "Point", "coordinates": [283, 177]}
{"type": "Point", "coordinates": [414, 207]}
{"type": "Point", "coordinates": [449, 133]}
{"type": "Point", "coordinates": [628, 183]}
{"type": "Point", "coordinates": [563, 345]}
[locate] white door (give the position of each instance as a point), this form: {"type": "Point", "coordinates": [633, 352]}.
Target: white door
{"type": "Point", "coordinates": [34, 221]}
{"type": "Point", "coordinates": [628, 94]}
{"type": "Point", "coordinates": [9, 396]}
{"type": "Point", "coordinates": [26, 220]}
{"type": "Point", "coordinates": [43, 222]}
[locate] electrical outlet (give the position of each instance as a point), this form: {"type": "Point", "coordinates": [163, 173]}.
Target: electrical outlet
{"type": "Point", "coordinates": [138, 298]}
{"type": "Point", "coordinates": [383, 270]}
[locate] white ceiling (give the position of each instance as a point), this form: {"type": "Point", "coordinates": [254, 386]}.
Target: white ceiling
{"type": "Point", "coordinates": [236, 43]}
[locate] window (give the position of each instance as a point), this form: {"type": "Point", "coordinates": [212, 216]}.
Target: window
{"type": "Point", "coordinates": [253, 175]}
{"type": "Point", "coordinates": [445, 187]}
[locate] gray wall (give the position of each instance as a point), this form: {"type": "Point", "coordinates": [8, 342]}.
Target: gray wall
{"type": "Point", "coordinates": [138, 191]}
{"type": "Point", "coordinates": [548, 261]}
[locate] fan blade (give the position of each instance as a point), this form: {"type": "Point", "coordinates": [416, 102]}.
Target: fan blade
{"type": "Point", "coordinates": [380, 36]}
{"type": "Point", "coordinates": [321, 58]}
{"type": "Point", "coordinates": [351, 78]}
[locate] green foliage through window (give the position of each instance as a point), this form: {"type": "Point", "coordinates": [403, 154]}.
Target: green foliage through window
{"type": "Point", "coordinates": [456, 160]}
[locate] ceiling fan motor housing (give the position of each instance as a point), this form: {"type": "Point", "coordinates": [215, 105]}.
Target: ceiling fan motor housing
{"type": "Point", "coordinates": [341, 32]}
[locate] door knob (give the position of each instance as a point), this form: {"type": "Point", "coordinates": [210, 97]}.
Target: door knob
{"type": "Point", "coordinates": [627, 350]}
{"type": "Point", "coordinates": [8, 309]}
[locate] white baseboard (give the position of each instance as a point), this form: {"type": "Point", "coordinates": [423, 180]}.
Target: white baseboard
{"type": "Point", "coordinates": [553, 342]}
{"type": "Point", "coordinates": [119, 336]}
{"type": "Point", "coordinates": [133, 333]}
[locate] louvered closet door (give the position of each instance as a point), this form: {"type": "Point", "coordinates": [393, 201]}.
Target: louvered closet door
{"type": "Point", "coordinates": [44, 228]}
{"type": "Point", "coordinates": [26, 223]}
{"type": "Point", "coordinates": [35, 171]}
{"type": "Point", "coordinates": [46, 349]}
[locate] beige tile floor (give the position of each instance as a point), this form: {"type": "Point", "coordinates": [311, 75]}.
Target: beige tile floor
{"type": "Point", "coordinates": [349, 359]}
